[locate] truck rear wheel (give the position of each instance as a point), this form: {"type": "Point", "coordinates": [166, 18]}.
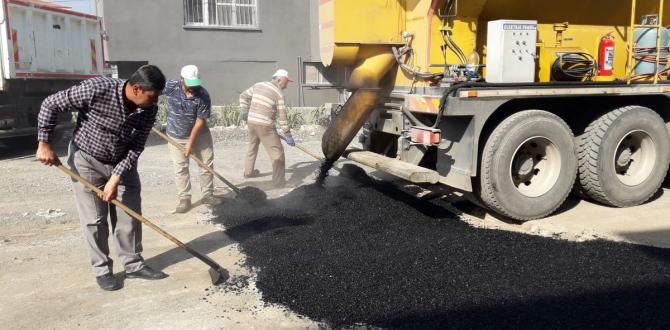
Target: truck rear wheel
{"type": "Point", "coordinates": [528, 165]}
{"type": "Point", "coordinates": [624, 156]}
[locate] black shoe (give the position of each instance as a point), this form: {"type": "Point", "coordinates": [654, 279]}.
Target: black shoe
{"type": "Point", "coordinates": [147, 273]}
{"type": "Point", "coordinates": [108, 282]}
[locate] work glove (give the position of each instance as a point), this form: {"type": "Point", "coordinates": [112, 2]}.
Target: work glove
{"type": "Point", "coordinates": [289, 140]}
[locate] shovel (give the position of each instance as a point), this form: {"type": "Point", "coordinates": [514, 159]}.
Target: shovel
{"type": "Point", "coordinates": [196, 159]}
{"type": "Point", "coordinates": [303, 148]}
{"type": "Point", "coordinates": [325, 164]}
{"type": "Point", "coordinates": [249, 194]}
{"type": "Point", "coordinates": [217, 273]}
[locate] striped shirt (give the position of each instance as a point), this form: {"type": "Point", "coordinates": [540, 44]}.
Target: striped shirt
{"type": "Point", "coordinates": [264, 101]}
{"type": "Point", "coordinates": [105, 130]}
{"type": "Point", "coordinates": [183, 110]}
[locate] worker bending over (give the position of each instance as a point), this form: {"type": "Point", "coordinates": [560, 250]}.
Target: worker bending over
{"type": "Point", "coordinates": [189, 107]}
{"type": "Point", "coordinates": [114, 121]}
{"type": "Point", "coordinates": [261, 104]}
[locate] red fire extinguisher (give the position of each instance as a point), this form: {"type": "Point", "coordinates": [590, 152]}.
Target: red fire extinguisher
{"type": "Point", "coordinates": [606, 55]}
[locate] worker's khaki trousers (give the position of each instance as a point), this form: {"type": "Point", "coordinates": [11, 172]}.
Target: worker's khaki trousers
{"type": "Point", "coordinates": [203, 148]}
{"type": "Point", "coordinates": [93, 214]}
{"type": "Point", "coordinates": [267, 135]}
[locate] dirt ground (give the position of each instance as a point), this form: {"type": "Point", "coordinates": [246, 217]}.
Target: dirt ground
{"type": "Point", "coordinates": [46, 281]}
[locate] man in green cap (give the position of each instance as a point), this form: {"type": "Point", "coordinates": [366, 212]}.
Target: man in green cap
{"type": "Point", "coordinates": [189, 107]}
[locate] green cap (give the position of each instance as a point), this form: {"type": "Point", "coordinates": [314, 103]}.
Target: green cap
{"type": "Point", "coordinates": [191, 76]}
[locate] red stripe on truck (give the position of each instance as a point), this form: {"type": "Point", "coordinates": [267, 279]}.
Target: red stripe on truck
{"type": "Point", "coordinates": [15, 49]}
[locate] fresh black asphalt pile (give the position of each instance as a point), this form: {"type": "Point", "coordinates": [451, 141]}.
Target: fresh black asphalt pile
{"type": "Point", "coordinates": [252, 195]}
{"type": "Point", "coordinates": [358, 251]}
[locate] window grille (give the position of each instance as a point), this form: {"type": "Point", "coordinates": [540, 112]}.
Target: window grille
{"type": "Point", "coordinates": [221, 13]}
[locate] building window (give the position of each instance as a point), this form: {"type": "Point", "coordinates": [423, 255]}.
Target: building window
{"type": "Point", "coordinates": [221, 13]}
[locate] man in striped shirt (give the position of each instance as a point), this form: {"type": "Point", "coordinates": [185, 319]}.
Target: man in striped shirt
{"type": "Point", "coordinates": [261, 104]}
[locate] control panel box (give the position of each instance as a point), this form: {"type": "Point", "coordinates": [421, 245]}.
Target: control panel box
{"type": "Point", "coordinates": [511, 51]}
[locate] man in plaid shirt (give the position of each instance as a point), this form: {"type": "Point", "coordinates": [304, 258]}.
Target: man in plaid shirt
{"type": "Point", "coordinates": [115, 119]}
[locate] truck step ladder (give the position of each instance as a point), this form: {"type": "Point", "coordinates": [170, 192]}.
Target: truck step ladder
{"type": "Point", "coordinates": [630, 63]}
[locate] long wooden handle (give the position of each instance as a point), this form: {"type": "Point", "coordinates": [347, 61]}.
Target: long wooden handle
{"type": "Point", "coordinates": [196, 159]}
{"type": "Point", "coordinates": [303, 148]}
{"type": "Point", "coordinates": [140, 218]}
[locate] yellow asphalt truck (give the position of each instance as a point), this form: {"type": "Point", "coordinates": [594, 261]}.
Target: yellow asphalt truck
{"type": "Point", "coordinates": [520, 102]}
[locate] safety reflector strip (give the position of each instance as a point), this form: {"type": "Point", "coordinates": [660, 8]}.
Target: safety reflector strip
{"type": "Point", "coordinates": [424, 135]}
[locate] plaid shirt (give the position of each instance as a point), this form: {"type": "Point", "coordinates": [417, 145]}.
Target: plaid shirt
{"type": "Point", "coordinates": [104, 129]}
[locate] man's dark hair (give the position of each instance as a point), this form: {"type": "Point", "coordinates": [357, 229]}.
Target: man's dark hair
{"type": "Point", "coordinates": [149, 77]}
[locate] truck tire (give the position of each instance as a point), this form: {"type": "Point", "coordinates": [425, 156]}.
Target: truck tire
{"type": "Point", "coordinates": [528, 165]}
{"type": "Point", "coordinates": [624, 156]}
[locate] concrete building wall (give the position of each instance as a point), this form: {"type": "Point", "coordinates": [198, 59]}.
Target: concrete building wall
{"type": "Point", "coordinates": [230, 59]}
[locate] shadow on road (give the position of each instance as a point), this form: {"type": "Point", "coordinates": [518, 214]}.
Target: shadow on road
{"type": "Point", "coordinates": [659, 238]}
{"type": "Point", "coordinates": [295, 173]}
{"type": "Point", "coordinates": [25, 147]}
{"type": "Point", "coordinates": [204, 244]}
{"type": "Point", "coordinates": [467, 204]}
{"type": "Point", "coordinates": [22, 147]}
